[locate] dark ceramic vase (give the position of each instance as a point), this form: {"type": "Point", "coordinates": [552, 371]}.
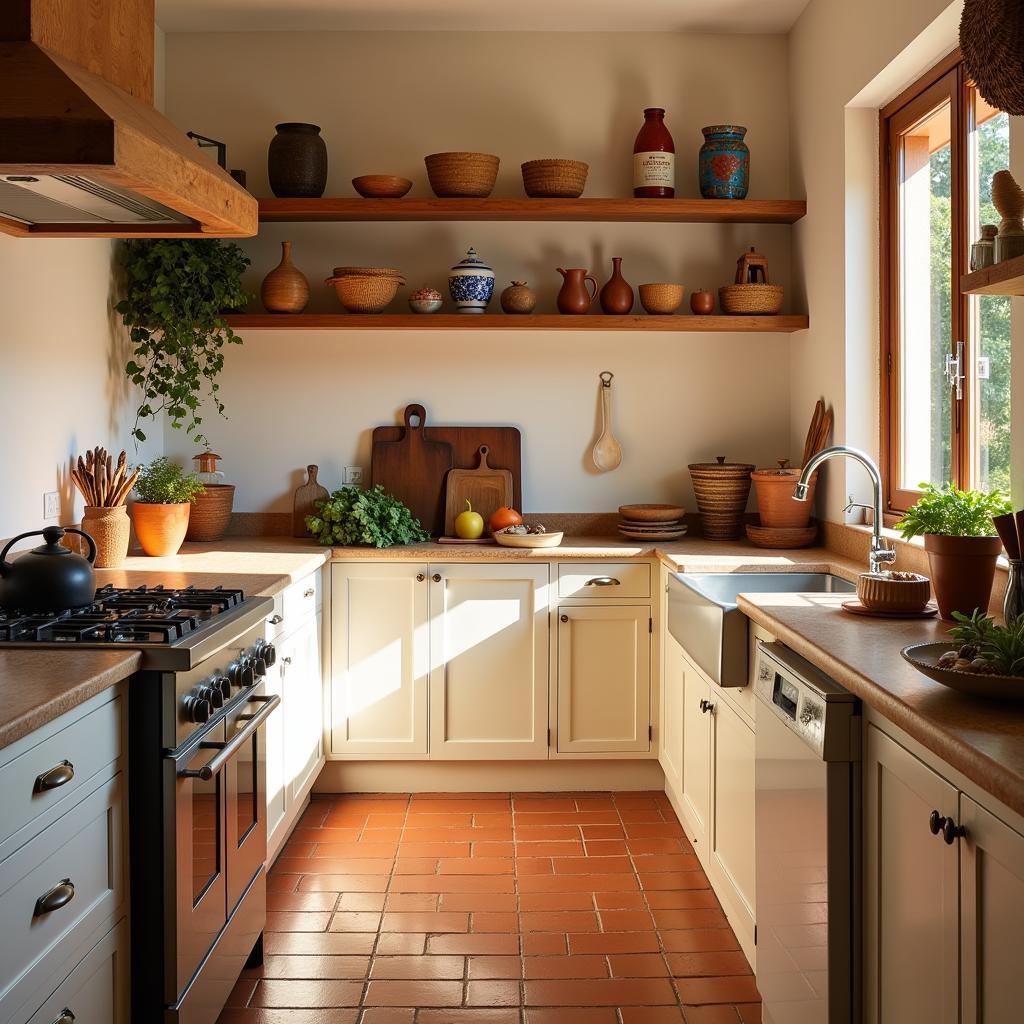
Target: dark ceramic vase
{"type": "Point", "coordinates": [616, 295]}
{"type": "Point", "coordinates": [297, 161]}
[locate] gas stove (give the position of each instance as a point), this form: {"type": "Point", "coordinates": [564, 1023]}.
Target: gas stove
{"type": "Point", "coordinates": [175, 628]}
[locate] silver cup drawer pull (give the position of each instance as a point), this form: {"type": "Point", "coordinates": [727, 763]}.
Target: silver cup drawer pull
{"type": "Point", "coordinates": [66, 1017]}
{"type": "Point", "coordinates": [602, 581]}
{"type": "Point", "coordinates": [59, 896]}
{"type": "Point", "coordinates": [57, 776]}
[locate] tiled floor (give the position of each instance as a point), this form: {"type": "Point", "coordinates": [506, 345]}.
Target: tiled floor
{"type": "Point", "coordinates": [494, 909]}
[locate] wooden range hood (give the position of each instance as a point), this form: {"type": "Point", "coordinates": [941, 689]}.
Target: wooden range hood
{"type": "Point", "coordinates": [82, 151]}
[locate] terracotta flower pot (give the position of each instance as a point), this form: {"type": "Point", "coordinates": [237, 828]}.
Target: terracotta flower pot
{"type": "Point", "coordinates": [161, 529]}
{"type": "Point", "coordinates": [962, 569]}
{"type": "Point", "coordinates": [775, 501]}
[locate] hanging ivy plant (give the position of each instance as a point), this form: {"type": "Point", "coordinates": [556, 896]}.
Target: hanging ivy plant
{"type": "Point", "coordinates": [176, 293]}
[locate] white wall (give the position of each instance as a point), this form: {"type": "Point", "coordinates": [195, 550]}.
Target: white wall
{"type": "Point", "coordinates": [386, 99]}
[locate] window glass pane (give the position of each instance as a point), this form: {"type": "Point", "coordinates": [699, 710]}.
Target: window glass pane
{"type": "Point", "coordinates": [989, 314]}
{"type": "Point", "coordinates": [925, 300]}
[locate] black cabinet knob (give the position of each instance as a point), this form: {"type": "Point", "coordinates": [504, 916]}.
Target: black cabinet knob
{"type": "Point", "coordinates": [706, 706]}
{"type": "Point", "coordinates": [436, 577]}
{"type": "Point", "coordinates": [951, 831]}
{"type": "Point", "coordinates": [936, 822]}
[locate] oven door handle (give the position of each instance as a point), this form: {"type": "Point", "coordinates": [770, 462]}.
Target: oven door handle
{"type": "Point", "coordinates": [229, 749]}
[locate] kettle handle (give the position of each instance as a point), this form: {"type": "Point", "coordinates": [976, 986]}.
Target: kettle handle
{"type": "Point", "coordinates": [5, 566]}
{"type": "Point", "coordinates": [91, 557]}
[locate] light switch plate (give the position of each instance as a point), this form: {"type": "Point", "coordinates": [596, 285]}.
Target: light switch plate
{"type": "Point", "coordinates": [51, 505]}
{"type": "Point", "coordinates": [353, 474]}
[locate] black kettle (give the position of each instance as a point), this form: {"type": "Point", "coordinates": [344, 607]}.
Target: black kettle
{"type": "Point", "coordinates": [49, 578]}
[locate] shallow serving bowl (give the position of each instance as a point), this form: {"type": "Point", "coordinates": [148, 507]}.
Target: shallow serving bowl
{"type": "Point", "coordinates": [652, 513]}
{"type": "Point", "coordinates": [925, 657]}
{"type": "Point", "coordinates": [381, 186]}
{"type": "Point", "coordinates": [529, 540]}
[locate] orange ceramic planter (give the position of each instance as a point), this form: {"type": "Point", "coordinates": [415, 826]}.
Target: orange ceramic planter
{"type": "Point", "coordinates": [775, 501]}
{"type": "Point", "coordinates": [161, 529]}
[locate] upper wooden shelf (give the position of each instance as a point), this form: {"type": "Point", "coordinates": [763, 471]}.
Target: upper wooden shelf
{"type": "Point", "coordinates": [668, 211]}
{"type": "Point", "coordinates": [1006, 278]}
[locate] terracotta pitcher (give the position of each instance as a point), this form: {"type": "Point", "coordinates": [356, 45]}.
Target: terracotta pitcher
{"type": "Point", "coordinates": [575, 298]}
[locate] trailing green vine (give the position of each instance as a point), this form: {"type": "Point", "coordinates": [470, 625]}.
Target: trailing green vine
{"type": "Point", "coordinates": [177, 291]}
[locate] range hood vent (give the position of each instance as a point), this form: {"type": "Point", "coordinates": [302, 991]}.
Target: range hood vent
{"type": "Point", "coordinates": [72, 199]}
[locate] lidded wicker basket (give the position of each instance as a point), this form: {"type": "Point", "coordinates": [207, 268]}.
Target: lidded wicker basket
{"type": "Point", "coordinates": [211, 513]}
{"type": "Point", "coordinates": [721, 489]}
{"type": "Point", "coordinates": [554, 178]}
{"type": "Point", "coordinates": [468, 175]}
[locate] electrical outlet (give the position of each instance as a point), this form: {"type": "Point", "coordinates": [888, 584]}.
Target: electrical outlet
{"type": "Point", "coordinates": [51, 505]}
{"type": "Point", "coordinates": [353, 474]}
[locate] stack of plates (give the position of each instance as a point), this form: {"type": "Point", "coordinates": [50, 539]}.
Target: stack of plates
{"type": "Point", "coordinates": [652, 522]}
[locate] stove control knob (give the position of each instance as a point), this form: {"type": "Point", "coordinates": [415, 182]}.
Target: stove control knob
{"type": "Point", "coordinates": [223, 684]}
{"type": "Point", "coordinates": [240, 673]}
{"type": "Point", "coordinates": [210, 693]}
{"type": "Point", "coordinates": [259, 664]}
{"type": "Point", "coordinates": [197, 709]}
{"type": "Point", "coordinates": [266, 652]}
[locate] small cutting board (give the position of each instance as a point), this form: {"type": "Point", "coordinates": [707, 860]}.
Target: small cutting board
{"type": "Point", "coordinates": [410, 467]}
{"type": "Point", "coordinates": [303, 505]}
{"type": "Point", "coordinates": [486, 488]}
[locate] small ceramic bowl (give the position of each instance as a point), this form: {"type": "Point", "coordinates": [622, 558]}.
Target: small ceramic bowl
{"type": "Point", "coordinates": [880, 592]}
{"type": "Point", "coordinates": [381, 186]}
{"type": "Point", "coordinates": [661, 299]}
{"type": "Point", "coordinates": [425, 305]}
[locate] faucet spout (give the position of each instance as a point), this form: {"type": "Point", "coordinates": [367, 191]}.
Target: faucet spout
{"type": "Point", "coordinates": [881, 554]}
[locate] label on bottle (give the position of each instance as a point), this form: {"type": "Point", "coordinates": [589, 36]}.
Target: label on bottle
{"type": "Point", "coordinates": [654, 169]}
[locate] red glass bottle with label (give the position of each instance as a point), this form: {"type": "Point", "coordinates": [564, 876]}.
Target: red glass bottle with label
{"type": "Point", "coordinates": [654, 158]}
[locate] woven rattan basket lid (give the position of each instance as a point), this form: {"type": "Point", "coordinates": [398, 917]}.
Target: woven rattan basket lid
{"type": "Point", "coordinates": [722, 468]}
{"type": "Point", "coordinates": [992, 42]}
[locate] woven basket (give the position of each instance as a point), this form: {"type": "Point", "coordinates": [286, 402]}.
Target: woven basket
{"type": "Point", "coordinates": [661, 299]}
{"type": "Point", "coordinates": [367, 272]}
{"type": "Point", "coordinates": [462, 174]}
{"type": "Point", "coordinates": [721, 489]}
{"type": "Point", "coordinates": [365, 294]}
{"type": "Point", "coordinates": [750, 298]}
{"type": "Point", "coordinates": [555, 178]}
{"type": "Point", "coordinates": [111, 529]}
{"type": "Point", "coordinates": [211, 513]}
{"type": "Point", "coordinates": [992, 42]}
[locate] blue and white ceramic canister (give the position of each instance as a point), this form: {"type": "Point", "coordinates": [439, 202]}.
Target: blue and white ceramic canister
{"type": "Point", "coordinates": [471, 283]}
{"type": "Point", "coordinates": [724, 162]}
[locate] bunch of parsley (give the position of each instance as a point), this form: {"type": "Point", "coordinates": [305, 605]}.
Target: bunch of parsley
{"type": "Point", "coordinates": [355, 517]}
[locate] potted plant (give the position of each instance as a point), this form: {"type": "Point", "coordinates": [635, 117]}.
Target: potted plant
{"type": "Point", "coordinates": [160, 515]}
{"type": "Point", "coordinates": [176, 293]}
{"type": "Point", "coordinates": [961, 542]}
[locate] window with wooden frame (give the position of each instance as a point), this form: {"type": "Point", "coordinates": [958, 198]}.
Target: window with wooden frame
{"type": "Point", "coordinates": [945, 355]}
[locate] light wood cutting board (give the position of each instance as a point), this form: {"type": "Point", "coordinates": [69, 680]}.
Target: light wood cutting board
{"type": "Point", "coordinates": [487, 489]}
{"type": "Point", "coordinates": [303, 506]}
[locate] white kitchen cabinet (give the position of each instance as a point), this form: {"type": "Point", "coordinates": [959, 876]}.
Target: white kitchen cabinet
{"type": "Point", "coordinates": [277, 796]}
{"type": "Point", "coordinates": [670, 747]}
{"type": "Point", "coordinates": [489, 661]}
{"type": "Point", "coordinates": [604, 678]}
{"type": "Point", "coordinates": [379, 658]}
{"type": "Point", "coordinates": [302, 701]}
{"type": "Point", "coordinates": [696, 763]}
{"type": "Point", "coordinates": [911, 962]}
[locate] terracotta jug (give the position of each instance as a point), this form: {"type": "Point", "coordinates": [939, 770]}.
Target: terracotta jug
{"type": "Point", "coordinates": [617, 295]}
{"type": "Point", "coordinates": [575, 298]}
{"type": "Point", "coordinates": [285, 289]}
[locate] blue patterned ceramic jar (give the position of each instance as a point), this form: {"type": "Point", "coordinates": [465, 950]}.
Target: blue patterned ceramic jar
{"type": "Point", "coordinates": [724, 168]}
{"type": "Point", "coordinates": [471, 283]}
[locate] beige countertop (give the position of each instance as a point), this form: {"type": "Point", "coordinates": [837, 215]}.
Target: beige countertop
{"type": "Point", "coordinates": [983, 739]}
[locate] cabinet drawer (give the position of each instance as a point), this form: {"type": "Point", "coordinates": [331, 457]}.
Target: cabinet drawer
{"type": "Point", "coordinates": [294, 605]}
{"type": "Point", "coordinates": [96, 991]}
{"type": "Point", "coordinates": [604, 579]}
{"type": "Point", "coordinates": [84, 846]}
{"type": "Point", "coordinates": [50, 772]}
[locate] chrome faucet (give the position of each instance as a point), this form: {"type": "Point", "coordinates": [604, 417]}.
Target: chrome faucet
{"type": "Point", "coordinates": [881, 554]}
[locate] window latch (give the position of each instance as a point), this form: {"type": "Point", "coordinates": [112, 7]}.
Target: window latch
{"type": "Point", "coordinates": [955, 370]}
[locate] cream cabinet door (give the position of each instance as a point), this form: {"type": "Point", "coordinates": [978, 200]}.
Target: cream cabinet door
{"type": "Point", "coordinates": [379, 660]}
{"type": "Point", "coordinates": [670, 752]}
{"type": "Point", "coordinates": [277, 797]}
{"type": "Point", "coordinates": [911, 960]}
{"type": "Point", "coordinates": [303, 705]}
{"type": "Point", "coordinates": [489, 661]}
{"type": "Point", "coordinates": [696, 763]}
{"type": "Point", "coordinates": [732, 840]}
{"type": "Point", "coordinates": [604, 678]}
{"type": "Point", "coordinates": [991, 912]}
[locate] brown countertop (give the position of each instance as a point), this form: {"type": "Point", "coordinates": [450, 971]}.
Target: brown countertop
{"type": "Point", "coordinates": [983, 739]}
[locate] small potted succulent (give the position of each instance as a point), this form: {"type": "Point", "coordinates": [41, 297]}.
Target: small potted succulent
{"type": "Point", "coordinates": [961, 542]}
{"type": "Point", "coordinates": [160, 515]}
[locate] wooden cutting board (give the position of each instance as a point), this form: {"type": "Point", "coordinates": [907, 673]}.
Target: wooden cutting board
{"type": "Point", "coordinates": [303, 505]}
{"type": "Point", "coordinates": [486, 488]}
{"type": "Point", "coordinates": [412, 466]}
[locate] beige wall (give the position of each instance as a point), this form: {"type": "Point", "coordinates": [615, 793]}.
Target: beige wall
{"type": "Point", "coordinates": [385, 100]}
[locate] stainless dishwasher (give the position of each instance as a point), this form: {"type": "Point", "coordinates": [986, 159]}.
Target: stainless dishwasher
{"type": "Point", "coordinates": [807, 809]}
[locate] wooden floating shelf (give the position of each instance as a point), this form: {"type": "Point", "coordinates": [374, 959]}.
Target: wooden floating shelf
{"type": "Point", "coordinates": [500, 322]}
{"type": "Point", "coordinates": [667, 211]}
{"type": "Point", "coordinates": [1006, 278]}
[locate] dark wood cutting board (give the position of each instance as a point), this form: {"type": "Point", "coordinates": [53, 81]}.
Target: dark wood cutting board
{"type": "Point", "coordinates": [505, 452]}
{"type": "Point", "coordinates": [410, 467]}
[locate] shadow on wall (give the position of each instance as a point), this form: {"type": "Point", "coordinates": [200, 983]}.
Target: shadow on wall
{"type": "Point", "coordinates": [119, 389]}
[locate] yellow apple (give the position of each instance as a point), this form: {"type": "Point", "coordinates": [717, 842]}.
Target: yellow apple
{"type": "Point", "coordinates": [469, 525]}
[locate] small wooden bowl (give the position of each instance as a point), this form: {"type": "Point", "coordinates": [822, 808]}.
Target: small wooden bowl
{"type": "Point", "coordinates": [529, 540]}
{"type": "Point", "coordinates": [881, 593]}
{"type": "Point", "coordinates": [381, 186]}
{"type": "Point", "coordinates": [661, 299]}
{"type": "Point", "coordinates": [652, 513]}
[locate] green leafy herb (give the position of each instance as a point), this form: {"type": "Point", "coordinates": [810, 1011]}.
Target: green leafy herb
{"type": "Point", "coordinates": [176, 293]}
{"type": "Point", "coordinates": [352, 516]}
{"type": "Point", "coordinates": [1001, 646]}
{"type": "Point", "coordinates": [954, 513]}
{"type": "Point", "coordinates": [162, 482]}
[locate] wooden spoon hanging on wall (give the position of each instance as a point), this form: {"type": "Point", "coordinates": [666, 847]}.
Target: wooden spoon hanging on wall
{"type": "Point", "coordinates": [607, 452]}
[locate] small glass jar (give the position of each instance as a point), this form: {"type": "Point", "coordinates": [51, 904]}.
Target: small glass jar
{"type": "Point", "coordinates": [983, 251]}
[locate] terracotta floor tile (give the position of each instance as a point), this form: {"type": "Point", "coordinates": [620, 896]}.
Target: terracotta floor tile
{"type": "Point", "coordinates": [622, 992]}
{"type": "Point", "coordinates": [304, 901]}
{"type": "Point", "coordinates": [641, 815]}
{"type": "Point", "coordinates": [492, 993]}
{"type": "Point", "coordinates": [650, 863]}
{"type": "Point", "coordinates": [413, 993]}
{"type": "Point", "coordinates": [599, 817]}
{"type": "Point", "coordinates": [300, 848]}
{"type": "Point", "coordinates": [495, 967]}
{"type": "Point", "coordinates": [429, 923]}
{"type": "Point", "coordinates": [578, 883]}
{"type": "Point", "coordinates": [435, 850]}
{"type": "Point", "coordinates": [318, 944]}
{"type": "Point", "coordinates": [457, 835]}
{"type": "Point", "coordinates": [380, 835]}
{"type": "Point", "coordinates": [682, 899]}
{"type": "Point", "coordinates": [606, 848]}
{"type": "Point", "coordinates": [285, 993]}
{"type": "Point", "coordinates": [492, 820]}
{"type": "Point", "coordinates": [740, 989]}
{"type": "Point", "coordinates": [588, 802]}
{"type": "Point", "coordinates": [355, 921]}
{"type": "Point", "coordinates": [476, 866]}
{"type": "Point", "coordinates": [290, 921]}
{"type": "Point", "coordinates": [493, 849]}
{"type": "Point", "coordinates": [342, 833]}
{"type": "Point", "coordinates": [385, 821]}
{"type": "Point", "coordinates": [388, 1015]}
{"type": "Point", "coordinates": [639, 965]}
{"type": "Point", "coordinates": [620, 901]}
{"type": "Point", "coordinates": [548, 901]}
{"type": "Point", "coordinates": [473, 945]}
{"type": "Point", "coordinates": [592, 865]}
{"type": "Point", "coordinates": [559, 921]}
{"type": "Point", "coordinates": [277, 882]}
{"type": "Point", "coordinates": [507, 922]}
{"type": "Point", "coordinates": [544, 803]}
{"type": "Point", "coordinates": [418, 968]}
{"type": "Point", "coordinates": [750, 1013]}
{"type": "Point", "coordinates": [315, 967]}
{"type": "Point", "coordinates": [264, 1016]}
{"type": "Point", "coordinates": [662, 830]}
{"type": "Point", "coordinates": [416, 866]}
{"type": "Point", "coordinates": [660, 881]}
{"type": "Point", "coordinates": [648, 847]}
{"type": "Point", "coordinates": [614, 942]}
{"type": "Point", "coordinates": [343, 883]}
{"type": "Point", "coordinates": [458, 805]}
{"type": "Point", "coordinates": [546, 833]}
{"type": "Point", "coordinates": [240, 995]}
{"type": "Point", "coordinates": [572, 1015]}
{"type": "Point", "coordinates": [335, 865]}
{"type": "Point", "coordinates": [601, 832]}
{"type": "Point", "coordinates": [451, 883]}
{"type": "Point", "coordinates": [479, 902]}
{"type": "Point", "coordinates": [413, 902]}
{"type": "Point", "coordinates": [546, 967]}
{"type": "Point", "coordinates": [361, 901]}
{"type": "Point", "coordinates": [401, 944]}
{"type": "Point", "coordinates": [625, 921]}
{"type": "Point", "coordinates": [673, 919]}
{"type": "Point", "coordinates": [693, 965]}
{"type": "Point", "coordinates": [711, 1014]}
{"type": "Point", "coordinates": [534, 866]}
{"type": "Point", "coordinates": [699, 940]}
{"type": "Point", "coordinates": [541, 944]}
{"type": "Point", "coordinates": [470, 1015]}
{"type": "Point", "coordinates": [429, 819]}
{"type": "Point", "coordinates": [565, 848]}
{"type": "Point", "coordinates": [651, 1015]}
